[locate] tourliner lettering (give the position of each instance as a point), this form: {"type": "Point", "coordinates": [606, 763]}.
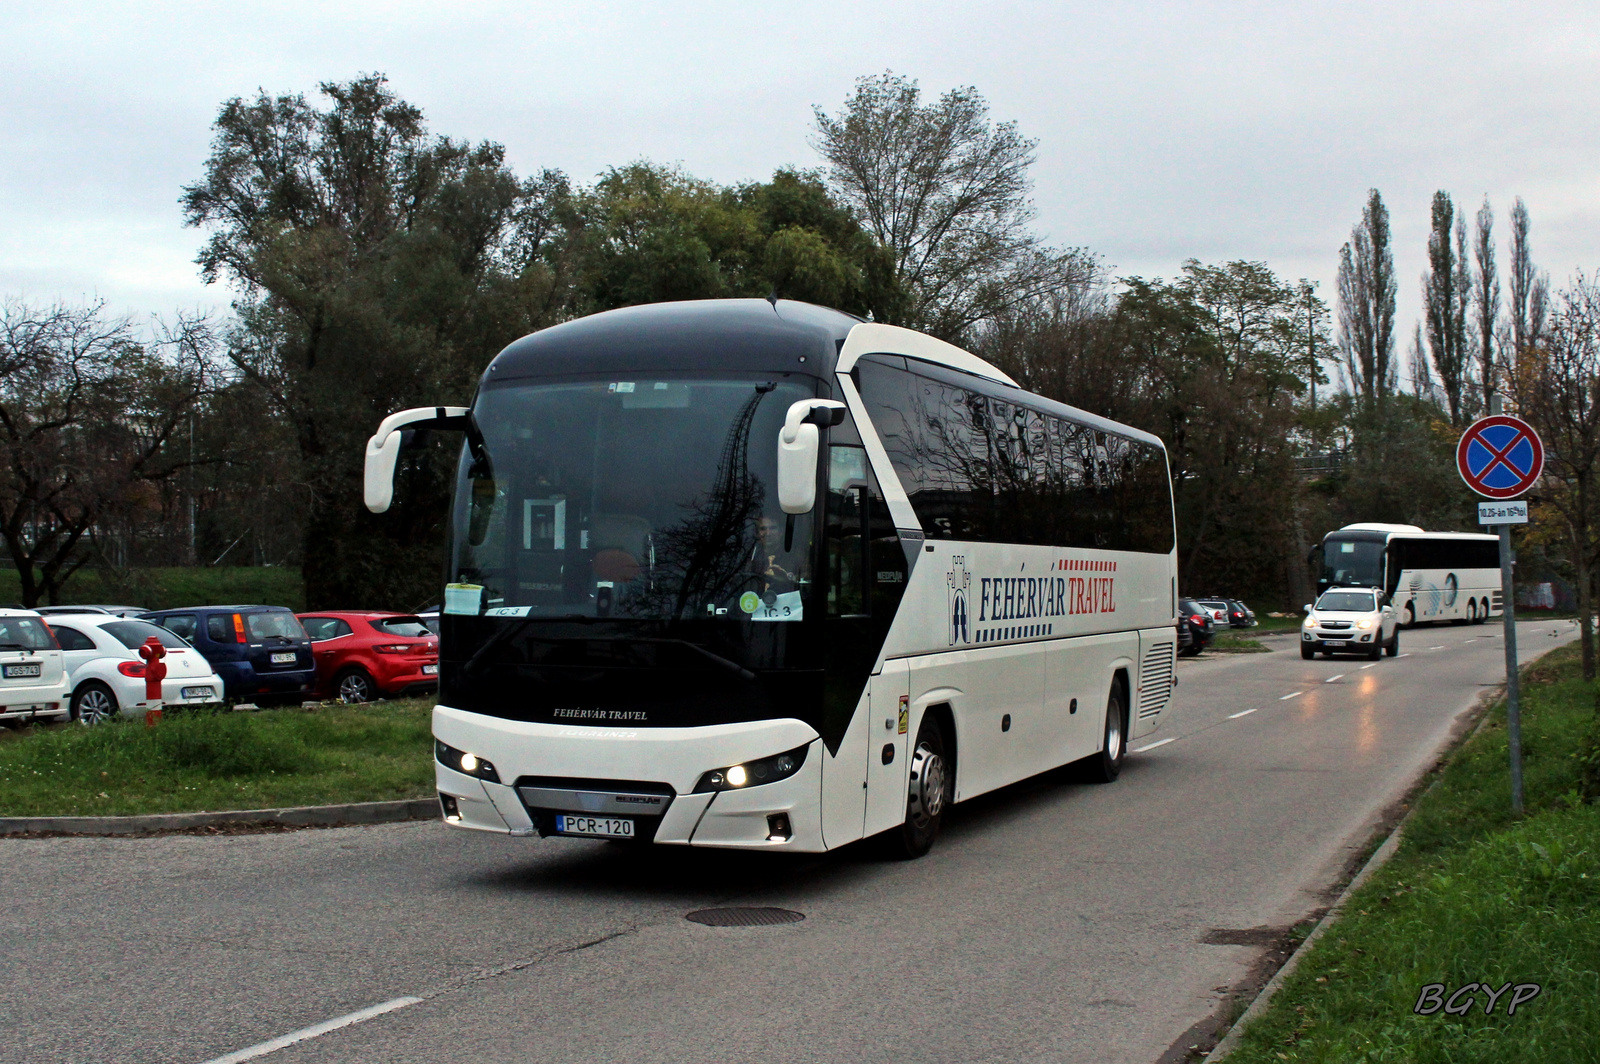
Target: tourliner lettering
{"type": "Point", "coordinates": [602, 714]}
{"type": "Point", "coordinates": [1008, 598]}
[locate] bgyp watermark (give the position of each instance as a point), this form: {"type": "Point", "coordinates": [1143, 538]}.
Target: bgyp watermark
{"type": "Point", "coordinates": [1434, 998]}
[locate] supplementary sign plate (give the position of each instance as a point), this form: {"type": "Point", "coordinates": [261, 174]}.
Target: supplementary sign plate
{"type": "Point", "coordinates": [1510, 512]}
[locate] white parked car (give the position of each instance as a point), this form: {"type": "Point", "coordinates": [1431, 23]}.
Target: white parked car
{"type": "Point", "coordinates": [1350, 619]}
{"type": "Point", "coordinates": [33, 678]}
{"type": "Point", "coordinates": [106, 674]}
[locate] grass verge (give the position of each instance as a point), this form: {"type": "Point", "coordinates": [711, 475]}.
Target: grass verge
{"type": "Point", "coordinates": [1472, 896]}
{"type": "Point", "coordinates": [206, 761]}
{"type": "Point", "coordinates": [1233, 644]}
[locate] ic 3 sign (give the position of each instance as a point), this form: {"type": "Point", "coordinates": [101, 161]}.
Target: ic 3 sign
{"type": "Point", "coordinates": [1500, 457]}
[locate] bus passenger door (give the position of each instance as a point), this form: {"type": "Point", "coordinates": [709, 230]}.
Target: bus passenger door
{"type": "Point", "coordinates": [887, 746]}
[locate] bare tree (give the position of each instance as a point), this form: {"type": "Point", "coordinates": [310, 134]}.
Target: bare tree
{"type": "Point", "coordinates": [1486, 301]}
{"type": "Point", "coordinates": [1446, 291]}
{"type": "Point", "coordinates": [1422, 385]}
{"type": "Point", "coordinates": [1558, 389]}
{"type": "Point", "coordinates": [945, 190]}
{"type": "Point", "coordinates": [1366, 300]}
{"type": "Point", "coordinates": [87, 413]}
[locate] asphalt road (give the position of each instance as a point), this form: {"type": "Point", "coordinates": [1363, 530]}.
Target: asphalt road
{"type": "Point", "coordinates": [1054, 921]}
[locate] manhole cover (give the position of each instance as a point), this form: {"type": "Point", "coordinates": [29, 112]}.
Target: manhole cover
{"type": "Point", "coordinates": [744, 917]}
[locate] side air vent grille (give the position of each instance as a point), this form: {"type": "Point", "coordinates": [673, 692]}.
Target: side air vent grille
{"type": "Point", "coordinates": [1155, 679]}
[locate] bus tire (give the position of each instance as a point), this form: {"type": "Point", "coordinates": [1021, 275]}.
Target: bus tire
{"type": "Point", "coordinates": [929, 794]}
{"type": "Point", "coordinates": [1106, 766]}
{"type": "Point", "coordinates": [1411, 617]}
{"type": "Point", "coordinates": [1483, 610]}
{"type": "Point", "coordinates": [1472, 611]}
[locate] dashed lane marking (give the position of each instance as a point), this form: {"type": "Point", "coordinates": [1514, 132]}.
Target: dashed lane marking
{"type": "Point", "coordinates": [1407, 654]}
{"type": "Point", "coordinates": [1374, 665]}
{"type": "Point", "coordinates": [316, 1030]}
{"type": "Point", "coordinates": [1330, 679]}
{"type": "Point", "coordinates": [1241, 713]}
{"type": "Point", "coordinates": [1436, 648]}
{"type": "Point", "coordinates": [1152, 746]}
{"type": "Point", "coordinates": [1295, 694]}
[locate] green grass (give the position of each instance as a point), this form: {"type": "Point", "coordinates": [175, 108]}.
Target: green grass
{"type": "Point", "coordinates": [1277, 624]}
{"type": "Point", "coordinates": [160, 589]}
{"type": "Point", "coordinates": [1233, 644]}
{"type": "Point", "coordinates": [1473, 895]}
{"type": "Point", "coordinates": [207, 760]}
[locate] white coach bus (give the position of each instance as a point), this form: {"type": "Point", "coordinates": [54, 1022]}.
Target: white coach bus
{"type": "Point", "coordinates": [1429, 576]}
{"type": "Point", "coordinates": [762, 575]}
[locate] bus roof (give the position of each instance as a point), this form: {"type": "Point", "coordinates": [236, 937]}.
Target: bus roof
{"type": "Point", "coordinates": [1388, 531]}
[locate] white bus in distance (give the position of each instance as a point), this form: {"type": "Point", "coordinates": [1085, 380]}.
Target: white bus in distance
{"type": "Point", "coordinates": [765, 576]}
{"type": "Point", "coordinates": [1427, 576]}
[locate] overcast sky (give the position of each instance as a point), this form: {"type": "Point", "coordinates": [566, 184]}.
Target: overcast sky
{"type": "Point", "coordinates": [1166, 131]}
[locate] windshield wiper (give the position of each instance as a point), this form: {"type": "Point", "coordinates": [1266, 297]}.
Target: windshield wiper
{"type": "Point", "coordinates": [722, 662]}
{"type": "Point", "coordinates": [507, 633]}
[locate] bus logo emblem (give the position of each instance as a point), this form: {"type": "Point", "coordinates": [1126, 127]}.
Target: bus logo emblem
{"type": "Point", "coordinates": [959, 582]}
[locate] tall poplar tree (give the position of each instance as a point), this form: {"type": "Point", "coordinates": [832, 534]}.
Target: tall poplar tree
{"type": "Point", "coordinates": [1446, 291]}
{"type": "Point", "coordinates": [1486, 301]}
{"type": "Point", "coordinates": [1366, 300]}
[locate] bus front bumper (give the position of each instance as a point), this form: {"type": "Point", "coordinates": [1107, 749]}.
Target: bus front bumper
{"type": "Point", "coordinates": [534, 759]}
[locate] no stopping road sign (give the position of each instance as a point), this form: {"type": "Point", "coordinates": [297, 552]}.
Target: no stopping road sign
{"type": "Point", "coordinates": [1500, 456]}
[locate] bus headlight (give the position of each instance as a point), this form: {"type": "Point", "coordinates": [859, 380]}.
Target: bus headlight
{"type": "Point", "coordinates": [465, 763]}
{"type": "Point", "coordinates": [754, 773]}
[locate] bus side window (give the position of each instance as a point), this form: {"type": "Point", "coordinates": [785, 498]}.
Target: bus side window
{"type": "Point", "coordinates": [846, 533]}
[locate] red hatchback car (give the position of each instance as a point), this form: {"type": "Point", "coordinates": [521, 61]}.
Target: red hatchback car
{"type": "Point", "coordinates": [361, 656]}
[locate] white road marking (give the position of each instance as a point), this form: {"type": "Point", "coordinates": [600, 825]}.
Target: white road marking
{"type": "Point", "coordinates": [1333, 678]}
{"type": "Point", "coordinates": [1241, 713]}
{"type": "Point", "coordinates": [318, 1029]}
{"type": "Point", "coordinates": [1374, 665]}
{"type": "Point", "coordinates": [1296, 694]}
{"type": "Point", "coordinates": [1436, 648]}
{"type": "Point", "coordinates": [1407, 654]}
{"type": "Point", "coordinates": [1152, 746]}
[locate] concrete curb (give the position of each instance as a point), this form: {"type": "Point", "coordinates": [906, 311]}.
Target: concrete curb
{"type": "Point", "coordinates": [1264, 999]}
{"type": "Point", "coordinates": [294, 816]}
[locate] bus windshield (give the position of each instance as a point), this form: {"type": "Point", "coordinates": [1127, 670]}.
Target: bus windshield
{"type": "Point", "coordinates": [630, 499]}
{"type": "Point", "coordinates": [1352, 562]}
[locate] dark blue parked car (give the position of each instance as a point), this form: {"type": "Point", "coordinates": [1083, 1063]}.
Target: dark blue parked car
{"type": "Point", "coordinates": [261, 652]}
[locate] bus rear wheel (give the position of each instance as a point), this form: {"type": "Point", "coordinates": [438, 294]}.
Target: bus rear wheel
{"type": "Point", "coordinates": [931, 789]}
{"type": "Point", "coordinates": [1106, 766]}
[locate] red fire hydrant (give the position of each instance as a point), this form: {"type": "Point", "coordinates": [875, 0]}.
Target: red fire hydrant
{"type": "Point", "coordinates": [155, 670]}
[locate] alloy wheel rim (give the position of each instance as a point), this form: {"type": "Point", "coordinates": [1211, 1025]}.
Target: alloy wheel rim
{"type": "Point", "coordinates": [354, 689]}
{"type": "Point", "coordinates": [93, 707]}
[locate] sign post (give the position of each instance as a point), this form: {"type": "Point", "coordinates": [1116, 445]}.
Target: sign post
{"type": "Point", "coordinates": [1501, 457]}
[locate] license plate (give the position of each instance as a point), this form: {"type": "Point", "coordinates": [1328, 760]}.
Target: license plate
{"type": "Point", "coordinates": [18, 672]}
{"type": "Point", "coordinates": [197, 692]}
{"type": "Point", "coordinates": [605, 827]}
{"type": "Point", "coordinates": [430, 670]}
{"type": "Point", "coordinates": [284, 658]}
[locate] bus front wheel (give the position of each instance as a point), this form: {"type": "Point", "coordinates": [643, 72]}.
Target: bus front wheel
{"type": "Point", "coordinates": [931, 788]}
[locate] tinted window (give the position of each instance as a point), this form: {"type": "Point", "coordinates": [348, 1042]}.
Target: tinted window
{"type": "Point", "coordinates": [72, 639]}
{"type": "Point", "coordinates": [25, 633]}
{"type": "Point", "coordinates": [274, 625]}
{"type": "Point", "coordinates": [408, 627]}
{"type": "Point", "coordinates": [1444, 554]}
{"type": "Point", "coordinates": [319, 628]}
{"type": "Point", "coordinates": [982, 468]}
{"type": "Point", "coordinates": [219, 628]}
{"type": "Point", "coordinates": [183, 624]}
{"type": "Point", "coordinates": [132, 634]}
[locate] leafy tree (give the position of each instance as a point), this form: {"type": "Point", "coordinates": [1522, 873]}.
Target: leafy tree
{"type": "Point", "coordinates": [376, 266]}
{"type": "Point", "coordinates": [945, 190]}
{"type": "Point", "coordinates": [1366, 301]}
{"type": "Point", "coordinates": [88, 413]}
{"type": "Point", "coordinates": [1446, 291]}
{"type": "Point", "coordinates": [1529, 287]}
{"type": "Point", "coordinates": [1485, 302]}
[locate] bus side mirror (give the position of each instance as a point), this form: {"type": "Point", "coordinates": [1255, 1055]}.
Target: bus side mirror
{"type": "Point", "coordinates": [798, 443]}
{"type": "Point", "coordinates": [383, 449]}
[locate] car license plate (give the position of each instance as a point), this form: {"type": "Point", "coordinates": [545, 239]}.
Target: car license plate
{"type": "Point", "coordinates": [197, 692]}
{"type": "Point", "coordinates": [605, 827]}
{"type": "Point", "coordinates": [284, 658]}
{"type": "Point", "coordinates": [430, 670]}
{"type": "Point", "coordinates": [18, 672]}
